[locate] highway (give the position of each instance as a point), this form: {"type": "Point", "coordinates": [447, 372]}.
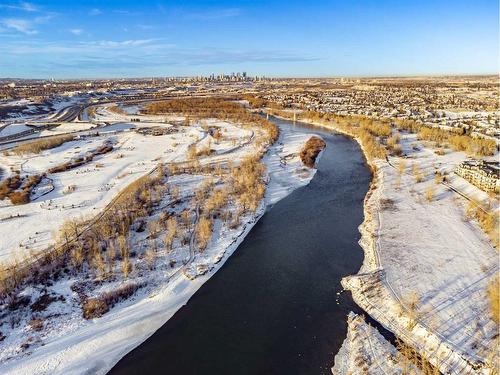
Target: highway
{"type": "Point", "coordinates": [69, 114]}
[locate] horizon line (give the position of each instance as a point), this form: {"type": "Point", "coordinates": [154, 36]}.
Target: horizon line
{"type": "Point", "coordinates": [430, 75]}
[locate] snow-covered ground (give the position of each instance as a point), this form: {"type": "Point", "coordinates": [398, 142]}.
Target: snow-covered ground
{"type": "Point", "coordinates": [68, 127]}
{"type": "Point", "coordinates": [366, 351]}
{"type": "Point", "coordinates": [96, 183]}
{"type": "Point", "coordinates": [69, 344]}
{"type": "Point", "coordinates": [427, 266]}
{"type": "Point", "coordinates": [427, 254]}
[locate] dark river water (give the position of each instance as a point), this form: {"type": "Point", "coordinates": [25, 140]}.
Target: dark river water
{"type": "Point", "coordinates": [272, 308]}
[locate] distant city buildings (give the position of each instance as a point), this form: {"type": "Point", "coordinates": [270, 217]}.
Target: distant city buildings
{"type": "Point", "coordinates": [465, 105]}
{"type": "Point", "coordinates": [223, 77]}
{"type": "Point", "coordinates": [483, 174]}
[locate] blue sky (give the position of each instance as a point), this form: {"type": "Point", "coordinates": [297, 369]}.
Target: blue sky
{"type": "Point", "coordinates": [93, 39]}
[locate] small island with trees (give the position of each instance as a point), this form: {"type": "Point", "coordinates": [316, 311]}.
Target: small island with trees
{"type": "Point", "coordinates": [311, 150]}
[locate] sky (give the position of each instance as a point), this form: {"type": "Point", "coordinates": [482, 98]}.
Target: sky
{"type": "Point", "coordinates": [329, 38]}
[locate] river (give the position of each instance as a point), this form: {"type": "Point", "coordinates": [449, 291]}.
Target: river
{"type": "Point", "coordinates": [273, 307]}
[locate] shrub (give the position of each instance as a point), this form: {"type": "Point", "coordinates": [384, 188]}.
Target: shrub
{"type": "Point", "coordinates": [439, 177]}
{"type": "Point", "coordinates": [8, 186]}
{"type": "Point", "coordinates": [36, 324]}
{"type": "Point", "coordinates": [393, 141]}
{"type": "Point", "coordinates": [377, 128]}
{"type": "Point", "coordinates": [254, 101]}
{"type": "Point", "coordinates": [401, 167]}
{"type": "Point", "coordinates": [433, 134]}
{"type": "Point", "coordinates": [81, 160]}
{"type": "Point", "coordinates": [117, 110]}
{"type": "Point", "coordinates": [387, 204]}
{"type": "Point", "coordinates": [371, 146]}
{"type": "Point", "coordinates": [150, 257]}
{"type": "Point", "coordinates": [192, 152]}
{"type": "Point", "coordinates": [472, 146]}
{"type": "Point", "coordinates": [394, 146]}
{"type": "Point", "coordinates": [412, 361]}
{"type": "Point", "coordinates": [203, 232]}
{"type": "Point", "coordinates": [429, 194]}
{"type": "Point", "coordinates": [98, 306]}
{"type": "Point", "coordinates": [417, 173]}
{"type": "Point", "coordinates": [94, 308]}
{"type": "Point", "coordinates": [216, 201]}
{"type": "Point", "coordinates": [126, 266]}
{"type": "Point", "coordinates": [19, 197]}
{"type": "Point", "coordinates": [43, 302]}
{"type": "Point", "coordinates": [247, 184]}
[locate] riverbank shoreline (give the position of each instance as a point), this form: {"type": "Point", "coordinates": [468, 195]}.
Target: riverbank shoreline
{"type": "Point", "coordinates": [371, 279]}
{"type": "Point", "coordinates": [370, 224]}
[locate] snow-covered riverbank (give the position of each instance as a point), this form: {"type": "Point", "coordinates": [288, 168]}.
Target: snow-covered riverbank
{"type": "Point", "coordinates": [95, 346]}
{"type": "Point", "coordinates": [427, 265]}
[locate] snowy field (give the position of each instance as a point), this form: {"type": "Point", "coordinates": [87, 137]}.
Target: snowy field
{"type": "Point", "coordinates": [95, 184]}
{"type": "Point", "coordinates": [56, 339]}
{"type": "Point", "coordinates": [427, 266]}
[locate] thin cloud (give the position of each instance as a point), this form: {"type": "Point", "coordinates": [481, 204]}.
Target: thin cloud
{"type": "Point", "coordinates": [27, 7]}
{"type": "Point", "coordinates": [127, 12]}
{"type": "Point", "coordinates": [24, 25]}
{"type": "Point", "coordinates": [145, 53]}
{"type": "Point", "coordinates": [125, 43]}
{"type": "Point", "coordinates": [20, 25]}
{"type": "Point", "coordinates": [95, 12]}
{"type": "Point", "coordinates": [214, 14]}
{"type": "Point", "coordinates": [97, 48]}
{"type": "Point", "coordinates": [43, 19]}
{"type": "Point", "coordinates": [76, 31]}
{"type": "Point", "coordinates": [145, 27]}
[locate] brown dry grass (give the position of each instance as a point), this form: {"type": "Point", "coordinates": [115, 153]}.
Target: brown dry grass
{"type": "Point", "coordinates": [98, 306]}
{"type": "Point", "coordinates": [412, 361]}
{"type": "Point", "coordinates": [429, 193]}
{"type": "Point", "coordinates": [40, 145]}
{"type": "Point", "coordinates": [488, 221]}
{"type": "Point", "coordinates": [493, 298]}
